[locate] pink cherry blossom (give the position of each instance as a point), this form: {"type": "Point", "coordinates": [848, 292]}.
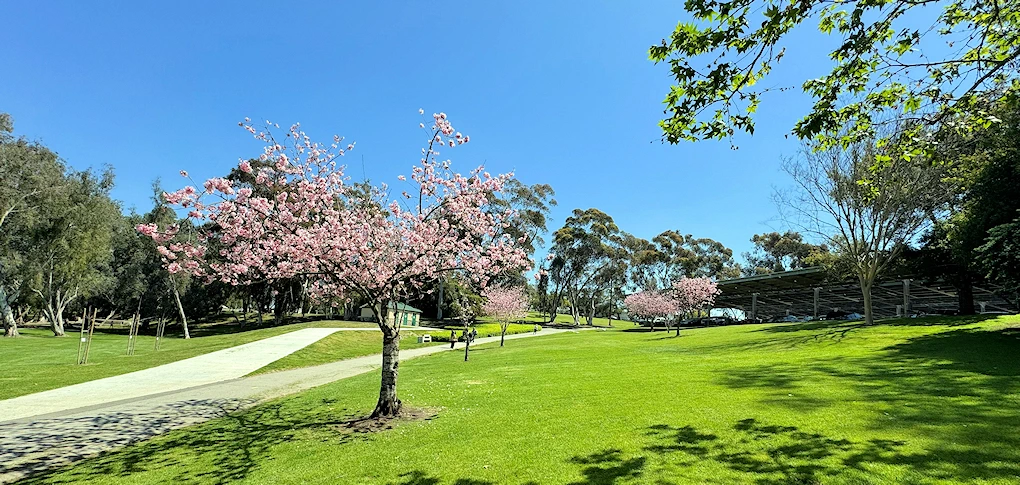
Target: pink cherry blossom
{"type": "Point", "coordinates": [338, 238]}
{"type": "Point", "coordinates": [695, 294]}
{"type": "Point", "coordinates": [649, 305]}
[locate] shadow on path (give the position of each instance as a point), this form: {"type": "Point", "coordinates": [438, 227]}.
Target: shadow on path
{"type": "Point", "coordinates": [229, 448]}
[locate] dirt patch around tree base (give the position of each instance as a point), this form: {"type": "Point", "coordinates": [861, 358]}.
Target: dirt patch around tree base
{"type": "Point", "coordinates": [374, 425]}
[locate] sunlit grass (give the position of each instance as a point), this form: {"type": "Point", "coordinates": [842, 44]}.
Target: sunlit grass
{"type": "Point", "coordinates": [918, 401]}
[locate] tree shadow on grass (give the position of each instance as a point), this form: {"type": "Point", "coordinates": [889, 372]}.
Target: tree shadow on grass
{"type": "Point", "coordinates": [767, 453]}
{"type": "Point", "coordinates": [607, 466]}
{"type": "Point", "coordinates": [219, 451]}
{"type": "Point", "coordinates": [956, 388]}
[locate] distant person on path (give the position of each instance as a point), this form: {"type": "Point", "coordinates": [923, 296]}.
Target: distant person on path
{"type": "Point", "coordinates": [536, 328]}
{"type": "Point", "coordinates": [453, 337]}
{"type": "Point", "coordinates": [474, 334]}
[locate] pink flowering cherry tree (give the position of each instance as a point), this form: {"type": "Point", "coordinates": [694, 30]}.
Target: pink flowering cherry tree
{"type": "Point", "coordinates": [694, 294]}
{"type": "Point", "coordinates": [505, 304]}
{"type": "Point", "coordinates": [649, 305]}
{"type": "Point", "coordinates": [346, 240]}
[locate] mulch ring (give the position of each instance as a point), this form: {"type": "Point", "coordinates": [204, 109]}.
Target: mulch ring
{"type": "Point", "coordinates": [374, 425]}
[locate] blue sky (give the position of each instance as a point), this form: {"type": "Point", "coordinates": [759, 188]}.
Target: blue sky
{"type": "Point", "coordinates": [560, 92]}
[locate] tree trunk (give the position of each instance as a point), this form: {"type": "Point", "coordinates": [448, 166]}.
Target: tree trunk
{"type": "Point", "coordinates": [591, 312]}
{"type": "Point", "coordinates": [56, 319]}
{"type": "Point", "coordinates": [439, 302]}
{"type": "Point", "coordinates": [965, 293]}
{"type": "Point", "coordinates": [10, 324]}
{"type": "Point", "coordinates": [678, 330]}
{"type": "Point", "coordinates": [467, 344]}
{"type": "Point", "coordinates": [180, 308]}
{"type": "Point", "coordinates": [573, 308]}
{"type": "Point", "coordinates": [388, 404]}
{"type": "Point", "coordinates": [869, 317]}
{"type": "Point", "coordinates": [502, 336]}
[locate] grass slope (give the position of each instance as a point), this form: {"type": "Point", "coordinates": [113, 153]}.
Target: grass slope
{"type": "Point", "coordinates": [339, 346]}
{"type": "Point", "coordinates": [907, 401]}
{"type": "Point", "coordinates": [37, 361]}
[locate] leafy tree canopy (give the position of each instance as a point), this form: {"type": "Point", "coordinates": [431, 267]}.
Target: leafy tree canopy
{"type": "Point", "coordinates": [881, 65]}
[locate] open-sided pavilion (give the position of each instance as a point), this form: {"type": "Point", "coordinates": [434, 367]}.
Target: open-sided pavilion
{"type": "Point", "coordinates": [808, 292]}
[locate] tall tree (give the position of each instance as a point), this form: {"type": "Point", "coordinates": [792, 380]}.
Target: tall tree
{"type": "Point", "coordinates": [30, 174]}
{"type": "Point", "coordinates": [72, 243]}
{"type": "Point", "coordinates": [584, 248]}
{"type": "Point", "coordinates": [869, 216]}
{"type": "Point", "coordinates": [886, 61]}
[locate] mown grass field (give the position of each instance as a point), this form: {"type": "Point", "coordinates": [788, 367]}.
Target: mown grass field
{"type": "Point", "coordinates": [918, 401]}
{"type": "Point", "coordinates": [38, 361]}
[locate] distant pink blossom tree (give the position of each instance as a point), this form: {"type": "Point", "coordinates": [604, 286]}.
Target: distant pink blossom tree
{"type": "Point", "coordinates": [505, 305]}
{"type": "Point", "coordinates": [650, 305]}
{"type": "Point", "coordinates": [346, 239]}
{"type": "Point", "coordinates": [694, 294]}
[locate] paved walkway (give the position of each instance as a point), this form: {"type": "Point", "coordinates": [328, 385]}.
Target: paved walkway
{"type": "Point", "coordinates": [204, 369]}
{"type": "Point", "coordinates": [49, 438]}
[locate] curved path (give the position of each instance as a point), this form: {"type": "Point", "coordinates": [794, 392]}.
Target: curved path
{"type": "Point", "coordinates": [132, 407]}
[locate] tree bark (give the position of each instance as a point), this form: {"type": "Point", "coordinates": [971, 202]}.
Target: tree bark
{"type": "Point", "coordinates": [439, 302]}
{"type": "Point", "coordinates": [591, 311]}
{"type": "Point", "coordinates": [573, 308]}
{"type": "Point", "coordinates": [180, 307]}
{"type": "Point", "coordinates": [10, 324]}
{"type": "Point", "coordinates": [467, 344]}
{"type": "Point", "coordinates": [502, 336]}
{"type": "Point", "coordinates": [388, 404]}
{"type": "Point", "coordinates": [869, 316]}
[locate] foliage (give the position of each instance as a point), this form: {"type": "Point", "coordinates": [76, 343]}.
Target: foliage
{"type": "Point", "coordinates": [885, 62]}
{"type": "Point", "coordinates": [649, 305]}
{"type": "Point", "coordinates": [588, 259]}
{"type": "Point", "coordinates": [1000, 257]}
{"type": "Point", "coordinates": [307, 221]}
{"type": "Point", "coordinates": [869, 215]}
{"type": "Point", "coordinates": [669, 256]}
{"type": "Point", "coordinates": [532, 205]}
{"type": "Point", "coordinates": [694, 294]}
{"type": "Point", "coordinates": [505, 304]}
{"type": "Point", "coordinates": [71, 244]}
{"type": "Point", "coordinates": [775, 252]}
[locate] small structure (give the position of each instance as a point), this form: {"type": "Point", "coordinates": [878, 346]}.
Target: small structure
{"type": "Point", "coordinates": [404, 315]}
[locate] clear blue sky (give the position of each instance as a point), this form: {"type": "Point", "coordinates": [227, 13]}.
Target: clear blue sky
{"type": "Point", "coordinates": [561, 92]}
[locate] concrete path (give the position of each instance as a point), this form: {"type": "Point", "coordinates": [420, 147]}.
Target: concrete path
{"type": "Point", "coordinates": [46, 439]}
{"type": "Point", "coordinates": [204, 369]}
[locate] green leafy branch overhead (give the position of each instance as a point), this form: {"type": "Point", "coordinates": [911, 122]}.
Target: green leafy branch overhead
{"type": "Point", "coordinates": [883, 70]}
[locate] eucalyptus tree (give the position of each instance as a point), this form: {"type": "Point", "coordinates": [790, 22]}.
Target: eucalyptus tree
{"type": "Point", "coordinates": [30, 175]}
{"type": "Point", "coordinates": [71, 244]}
{"type": "Point", "coordinates": [777, 252]}
{"type": "Point", "coordinates": [586, 250]}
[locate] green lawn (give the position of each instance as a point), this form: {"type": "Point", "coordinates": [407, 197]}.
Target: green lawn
{"type": "Point", "coordinates": [339, 346]}
{"type": "Point", "coordinates": [916, 401]}
{"type": "Point", "coordinates": [38, 361]}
